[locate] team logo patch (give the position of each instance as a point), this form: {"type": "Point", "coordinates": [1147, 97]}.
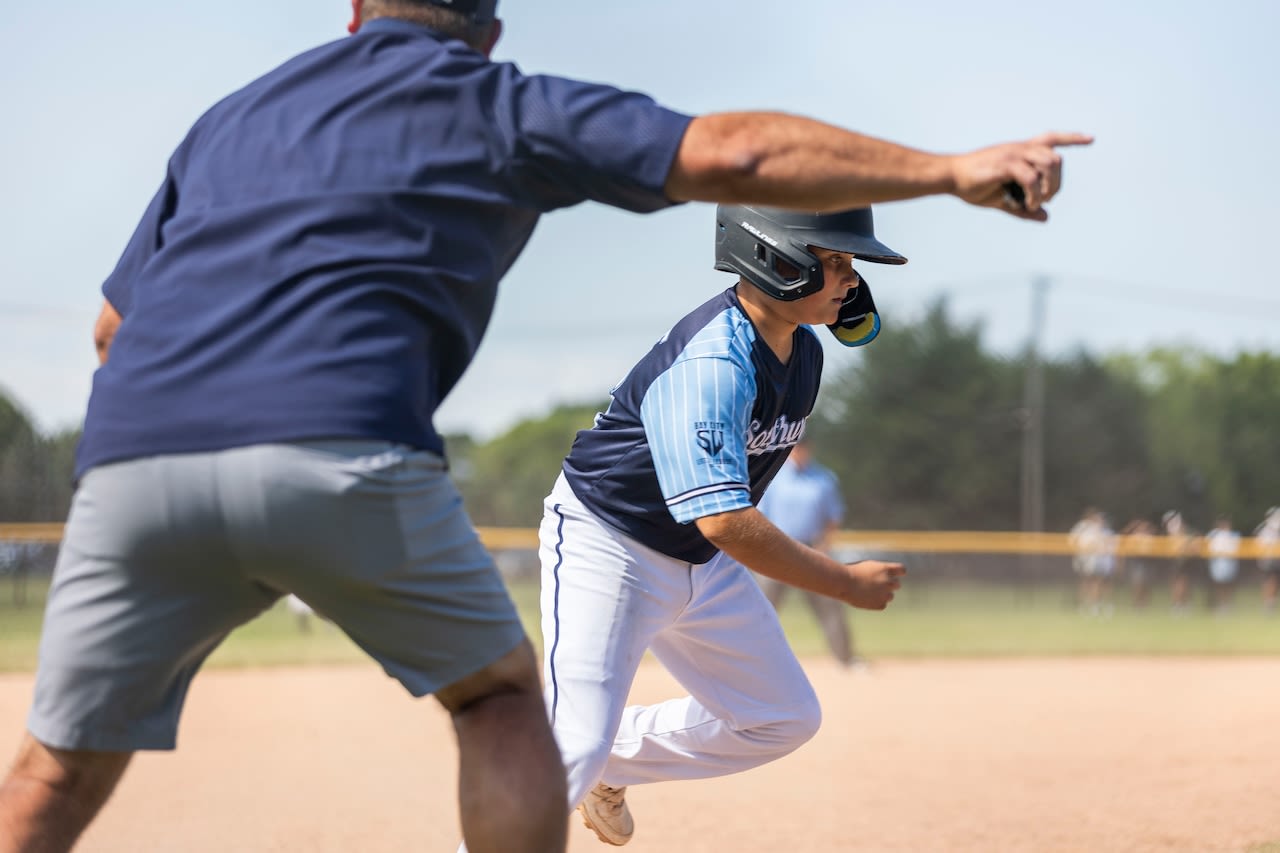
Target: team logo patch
{"type": "Point", "coordinates": [710, 437]}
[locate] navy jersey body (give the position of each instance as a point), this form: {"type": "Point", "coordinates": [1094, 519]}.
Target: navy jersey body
{"type": "Point", "coordinates": [698, 427]}
{"type": "Point", "coordinates": [322, 258]}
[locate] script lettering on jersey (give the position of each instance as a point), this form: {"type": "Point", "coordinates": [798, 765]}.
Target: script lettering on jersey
{"type": "Point", "coordinates": [783, 433]}
{"type": "Point", "coordinates": [710, 437]}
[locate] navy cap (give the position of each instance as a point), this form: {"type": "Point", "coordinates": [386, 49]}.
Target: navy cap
{"type": "Point", "coordinates": [479, 11]}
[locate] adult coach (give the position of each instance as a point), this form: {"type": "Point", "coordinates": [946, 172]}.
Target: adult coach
{"type": "Point", "coordinates": [804, 502]}
{"type": "Point", "coordinates": [311, 279]}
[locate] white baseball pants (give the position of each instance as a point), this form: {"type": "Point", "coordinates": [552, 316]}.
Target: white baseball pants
{"type": "Point", "coordinates": [606, 599]}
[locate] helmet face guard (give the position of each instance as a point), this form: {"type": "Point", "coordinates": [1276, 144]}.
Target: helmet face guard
{"type": "Point", "coordinates": [858, 322]}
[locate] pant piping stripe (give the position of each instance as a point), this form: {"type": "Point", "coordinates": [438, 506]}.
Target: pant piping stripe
{"type": "Point", "coordinates": [555, 613]}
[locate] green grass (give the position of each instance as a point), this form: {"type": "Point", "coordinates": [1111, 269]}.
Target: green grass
{"type": "Point", "coordinates": [927, 620]}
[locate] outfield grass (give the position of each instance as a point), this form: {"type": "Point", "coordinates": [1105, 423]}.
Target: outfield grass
{"type": "Point", "coordinates": [928, 620]}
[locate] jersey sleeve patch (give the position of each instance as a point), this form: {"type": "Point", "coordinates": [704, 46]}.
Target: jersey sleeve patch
{"type": "Point", "coordinates": [696, 416]}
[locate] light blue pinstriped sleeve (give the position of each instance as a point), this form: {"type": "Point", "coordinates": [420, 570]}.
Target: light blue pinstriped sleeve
{"type": "Point", "coordinates": [696, 416]}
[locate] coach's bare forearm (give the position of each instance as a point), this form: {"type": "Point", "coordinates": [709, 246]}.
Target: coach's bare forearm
{"type": "Point", "coordinates": [792, 161]}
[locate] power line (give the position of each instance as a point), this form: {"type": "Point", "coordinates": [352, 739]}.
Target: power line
{"type": "Point", "coordinates": [1153, 295]}
{"type": "Point", "coordinates": [45, 311]}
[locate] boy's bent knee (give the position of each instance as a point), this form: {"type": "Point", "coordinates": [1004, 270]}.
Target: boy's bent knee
{"type": "Point", "coordinates": [791, 730]}
{"type": "Point", "coordinates": [806, 723]}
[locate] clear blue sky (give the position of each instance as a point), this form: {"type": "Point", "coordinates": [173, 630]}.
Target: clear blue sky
{"type": "Point", "coordinates": [1163, 234]}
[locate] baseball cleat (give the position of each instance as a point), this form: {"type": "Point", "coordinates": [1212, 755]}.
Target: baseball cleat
{"type": "Point", "coordinates": [605, 813]}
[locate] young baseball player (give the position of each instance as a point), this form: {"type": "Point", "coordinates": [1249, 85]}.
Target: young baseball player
{"type": "Point", "coordinates": [648, 534]}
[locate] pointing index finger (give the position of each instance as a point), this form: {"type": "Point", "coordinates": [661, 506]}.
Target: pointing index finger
{"type": "Point", "coordinates": [1055, 139]}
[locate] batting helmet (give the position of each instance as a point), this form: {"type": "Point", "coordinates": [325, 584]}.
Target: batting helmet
{"type": "Point", "coordinates": [769, 247]}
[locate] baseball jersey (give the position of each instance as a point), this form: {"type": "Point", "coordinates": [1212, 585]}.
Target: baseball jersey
{"type": "Point", "coordinates": [698, 427]}
{"type": "Point", "coordinates": [322, 258]}
{"type": "Point", "coordinates": [803, 502]}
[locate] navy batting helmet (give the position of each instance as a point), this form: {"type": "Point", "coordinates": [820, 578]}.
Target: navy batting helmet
{"type": "Point", "coordinates": [769, 247]}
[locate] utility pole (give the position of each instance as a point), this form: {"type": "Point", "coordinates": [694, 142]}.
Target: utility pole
{"type": "Point", "coordinates": [1033, 415]}
{"type": "Point", "coordinates": [1033, 439]}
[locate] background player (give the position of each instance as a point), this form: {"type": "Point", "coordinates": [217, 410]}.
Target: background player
{"type": "Point", "coordinates": [1181, 549]}
{"type": "Point", "coordinates": [1222, 543]}
{"type": "Point", "coordinates": [311, 279]}
{"type": "Point", "coordinates": [648, 534]}
{"type": "Point", "coordinates": [804, 502]}
{"type": "Point", "coordinates": [1268, 536]}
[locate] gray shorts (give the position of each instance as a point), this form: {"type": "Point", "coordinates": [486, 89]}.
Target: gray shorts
{"type": "Point", "coordinates": [164, 556]}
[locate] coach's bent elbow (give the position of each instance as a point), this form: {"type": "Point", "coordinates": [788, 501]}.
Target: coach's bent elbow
{"type": "Point", "coordinates": [104, 330]}
{"type": "Point", "coordinates": [718, 159]}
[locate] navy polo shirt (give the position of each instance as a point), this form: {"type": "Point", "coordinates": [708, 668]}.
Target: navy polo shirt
{"type": "Point", "coordinates": [322, 258]}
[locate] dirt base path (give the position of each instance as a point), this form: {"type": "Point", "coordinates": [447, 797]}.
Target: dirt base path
{"type": "Point", "coordinates": [1061, 755]}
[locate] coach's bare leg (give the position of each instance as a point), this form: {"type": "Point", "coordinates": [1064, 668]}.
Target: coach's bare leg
{"type": "Point", "coordinates": [50, 795]}
{"type": "Point", "coordinates": [512, 790]}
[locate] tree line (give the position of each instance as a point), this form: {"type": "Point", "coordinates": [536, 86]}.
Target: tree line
{"type": "Point", "coordinates": [35, 469]}
{"type": "Point", "coordinates": [924, 429]}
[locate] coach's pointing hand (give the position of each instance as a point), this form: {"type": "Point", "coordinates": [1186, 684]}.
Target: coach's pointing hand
{"type": "Point", "coordinates": [982, 177]}
{"type": "Point", "coordinates": [874, 583]}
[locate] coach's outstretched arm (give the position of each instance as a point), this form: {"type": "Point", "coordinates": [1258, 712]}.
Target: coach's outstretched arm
{"type": "Point", "coordinates": [791, 161]}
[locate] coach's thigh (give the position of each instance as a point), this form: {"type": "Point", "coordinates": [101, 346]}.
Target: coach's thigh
{"type": "Point", "coordinates": [375, 538]}
{"type": "Point", "coordinates": [146, 586]}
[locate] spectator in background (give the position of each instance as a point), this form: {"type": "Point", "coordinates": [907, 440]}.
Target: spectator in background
{"type": "Point", "coordinates": [1181, 540]}
{"type": "Point", "coordinates": [804, 502]}
{"type": "Point", "coordinates": [1139, 541]}
{"type": "Point", "coordinates": [1268, 536]}
{"type": "Point", "coordinates": [1223, 544]}
{"type": "Point", "coordinates": [17, 559]}
{"type": "Point", "coordinates": [1094, 561]}
{"type": "Point", "coordinates": [301, 611]}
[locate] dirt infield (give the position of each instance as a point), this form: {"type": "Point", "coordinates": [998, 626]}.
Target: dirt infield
{"type": "Point", "coordinates": [1034, 755]}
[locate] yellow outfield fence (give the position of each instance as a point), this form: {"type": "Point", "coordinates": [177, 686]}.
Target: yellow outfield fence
{"type": "Point", "coordinates": [31, 533]}
{"type": "Point", "coordinates": [869, 541]}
